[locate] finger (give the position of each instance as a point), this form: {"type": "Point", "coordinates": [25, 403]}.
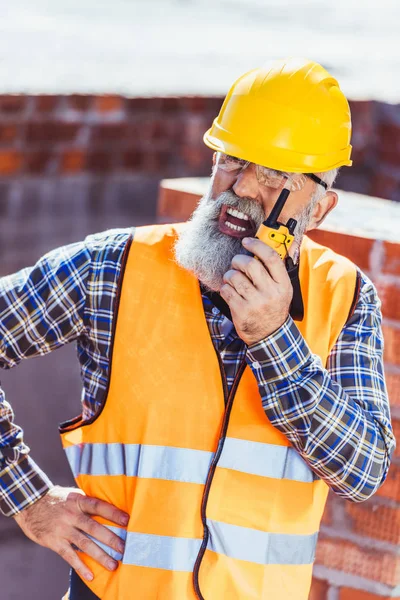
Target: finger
{"type": "Point", "coordinates": [242, 284]}
{"type": "Point", "coordinates": [71, 557]}
{"type": "Point", "coordinates": [100, 532]}
{"type": "Point", "coordinates": [254, 269]}
{"type": "Point", "coordinates": [94, 506]}
{"type": "Point", "coordinates": [230, 295]}
{"type": "Point", "coordinates": [271, 259]}
{"type": "Point", "coordinates": [90, 548]}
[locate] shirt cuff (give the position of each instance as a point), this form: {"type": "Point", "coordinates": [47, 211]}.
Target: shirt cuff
{"type": "Point", "coordinates": [280, 355]}
{"type": "Point", "coordinates": [22, 484]}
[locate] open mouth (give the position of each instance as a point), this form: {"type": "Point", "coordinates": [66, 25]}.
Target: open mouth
{"type": "Point", "coordinates": [235, 223]}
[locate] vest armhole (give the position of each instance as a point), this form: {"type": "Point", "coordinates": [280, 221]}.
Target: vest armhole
{"type": "Point", "coordinates": [356, 296]}
{"type": "Point", "coordinates": [77, 422]}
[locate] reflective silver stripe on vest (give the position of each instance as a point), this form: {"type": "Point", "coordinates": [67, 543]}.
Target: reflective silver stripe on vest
{"type": "Point", "coordinates": [185, 464]}
{"type": "Point", "coordinates": [179, 554]}
{"type": "Point", "coordinates": [267, 460]}
{"type": "Point", "coordinates": [161, 551]}
{"type": "Point", "coordinates": [260, 547]}
{"type": "Point", "coordinates": [135, 460]}
{"type": "Point", "coordinates": [156, 551]}
{"type": "Point", "coordinates": [121, 533]}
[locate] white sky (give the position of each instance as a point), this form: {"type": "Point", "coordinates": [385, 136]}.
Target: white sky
{"type": "Point", "coordinates": [193, 46]}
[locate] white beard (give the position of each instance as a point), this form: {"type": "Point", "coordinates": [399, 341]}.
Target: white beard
{"type": "Point", "coordinates": [201, 247]}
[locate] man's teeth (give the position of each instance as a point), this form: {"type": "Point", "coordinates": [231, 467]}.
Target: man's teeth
{"type": "Point", "coordinates": [235, 227]}
{"type": "Point", "coordinates": [236, 213]}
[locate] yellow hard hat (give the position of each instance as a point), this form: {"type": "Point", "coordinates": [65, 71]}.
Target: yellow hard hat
{"type": "Point", "coordinates": [291, 117]}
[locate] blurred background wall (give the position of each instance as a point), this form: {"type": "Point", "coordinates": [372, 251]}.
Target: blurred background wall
{"type": "Point", "coordinates": [98, 103]}
{"type": "Point", "coordinates": [73, 164]}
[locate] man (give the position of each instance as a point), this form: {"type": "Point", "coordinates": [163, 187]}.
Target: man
{"type": "Point", "coordinates": [213, 424]}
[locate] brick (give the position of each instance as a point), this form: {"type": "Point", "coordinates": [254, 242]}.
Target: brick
{"type": "Point", "coordinates": [375, 565]}
{"type": "Point", "coordinates": [38, 161]}
{"type": "Point", "coordinates": [109, 103]}
{"type": "Point", "coordinates": [8, 133]}
{"type": "Point", "coordinates": [196, 104]}
{"type": "Point", "coordinates": [108, 132]}
{"type": "Point", "coordinates": [391, 336]}
{"type": "Point", "coordinates": [133, 159]}
{"type": "Point", "coordinates": [12, 103]}
{"type": "Point", "coordinates": [194, 127]}
{"type": "Point", "coordinates": [73, 161]}
{"type": "Point", "coordinates": [139, 132]}
{"type": "Point", "coordinates": [152, 132]}
{"type": "Point", "coordinates": [157, 161]}
{"type": "Point", "coordinates": [389, 143]}
{"type": "Point", "coordinates": [396, 431]}
{"type": "Point", "coordinates": [391, 263]}
{"type": "Point", "coordinates": [46, 103]}
{"type": "Point", "coordinates": [171, 104]}
{"type": "Point", "coordinates": [389, 294]}
{"type": "Point", "coordinates": [158, 129]}
{"type": "Point", "coordinates": [356, 179]}
{"type": "Point", "coordinates": [50, 131]}
{"type": "Point", "coordinates": [5, 189]}
{"type": "Point", "coordinates": [319, 590]}
{"type": "Point", "coordinates": [174, 131]}
{"type": "Point", "coordinates": [10, 162]}
{"type": "Point", "coordinates": [391, 487]}
{"type": "Point", "coordinates": [364, 130]}
{"type": "Point", "coordinates": [80, 102]}
{"type": "Point", "coordinates": [214, 106]}
{"type": "Point", "coordinates": [375, 521]}
{"type": "Point", "coordinates": [393, 387]}
{"type": "Point", "coordinates": [136, 105]}
{"type": "Point", "coordinates": [197, 158]}
{"type": "Point", "coordinates": [383, 186]}
{"type": "Point", "coordinates": [99, 161]}
{"type": "Point", "coordinates": [357, 249]}
{"type": "Point", "coordinates": [352, 594]}
{"type": "Point", "coordinates": [327, 515]}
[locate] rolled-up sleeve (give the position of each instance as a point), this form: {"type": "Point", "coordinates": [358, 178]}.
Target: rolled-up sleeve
{"type": "Point", "coordinates": [337, 416]}
{"type": "Point", "coordinates": [41, 308]}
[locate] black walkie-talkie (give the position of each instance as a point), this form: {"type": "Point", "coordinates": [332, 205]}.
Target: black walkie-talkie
{"type": "Point", "coordinates": [280, 237]}
{"type": "Point", "coordinates": [275, 234]}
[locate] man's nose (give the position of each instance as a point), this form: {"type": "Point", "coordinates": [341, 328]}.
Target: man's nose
{"type": "Point", "coordinates": [246, 184]}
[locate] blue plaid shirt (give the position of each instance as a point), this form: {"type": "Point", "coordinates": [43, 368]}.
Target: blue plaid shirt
{"type": "Point", "coordinates": [336, 417]}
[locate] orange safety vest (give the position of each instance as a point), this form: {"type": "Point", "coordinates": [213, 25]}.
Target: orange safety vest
{"type": "Point", "coordinates": [222, 506]}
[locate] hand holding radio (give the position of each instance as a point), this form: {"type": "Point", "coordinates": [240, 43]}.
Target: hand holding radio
{"type": "Point", "coordinates": [258, 291]}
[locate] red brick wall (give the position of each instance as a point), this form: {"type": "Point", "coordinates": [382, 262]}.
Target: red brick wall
{"type": "Point", "coordinates": [358, 549]}
{"type": "Point", "coordinates": [376, 150]}
{"type": "Point", "coordinates": [56, 136]}
{"type": "Point", "coordinates": [63, 135]}
{"type": "Point", "coordinates": [74, 165]}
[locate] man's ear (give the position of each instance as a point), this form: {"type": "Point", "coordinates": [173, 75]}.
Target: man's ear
{"type": "Point", "coordinates": [322, 209]}
{"type": "Point", "coordinates": [214, 159]}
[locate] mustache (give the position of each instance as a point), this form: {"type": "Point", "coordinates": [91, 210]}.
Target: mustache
{"type": "Point", "coordinates": [251, 208]}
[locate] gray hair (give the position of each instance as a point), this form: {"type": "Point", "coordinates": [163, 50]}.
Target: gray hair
{"type": "Point", "coordinates": [329, 178]}
{"type": "Point", "coordinates": [319, 192]}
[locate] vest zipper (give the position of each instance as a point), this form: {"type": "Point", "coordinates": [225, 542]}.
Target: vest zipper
{"type": "Point", "coordinates": [228, 397]}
